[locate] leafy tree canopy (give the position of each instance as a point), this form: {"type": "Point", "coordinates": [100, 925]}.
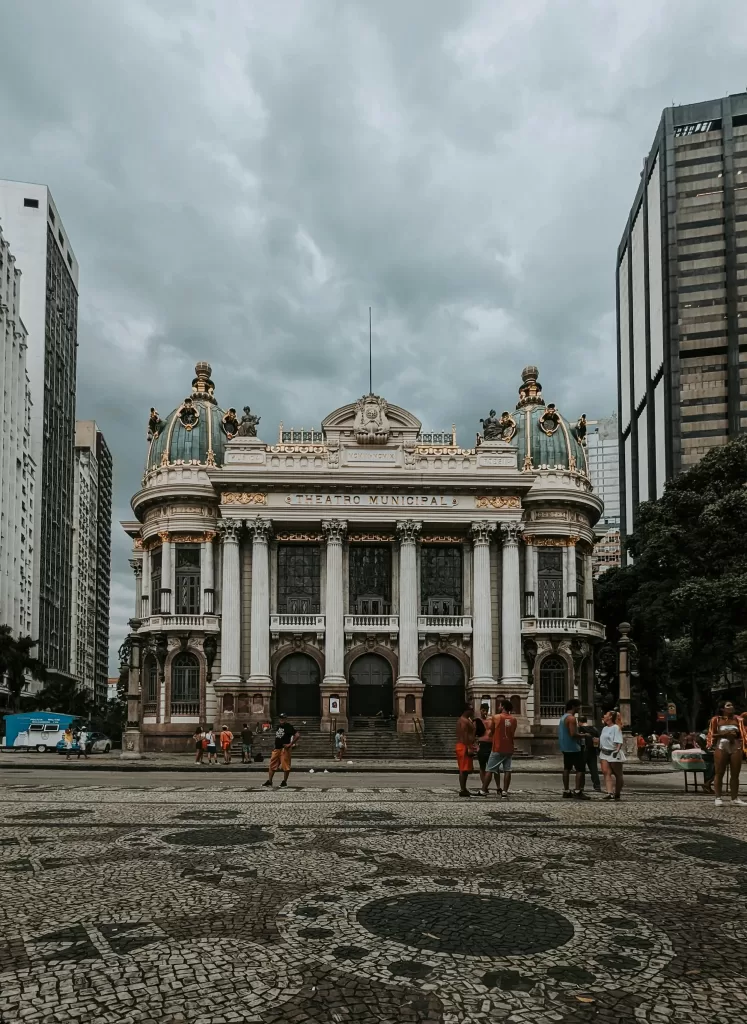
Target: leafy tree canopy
{"type": "Point", "coordinates": [18, 664]}
{"type": "Point", "coordinates": [685, 592]}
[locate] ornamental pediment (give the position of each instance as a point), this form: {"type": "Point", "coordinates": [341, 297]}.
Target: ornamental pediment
{"type": "Point", "coordinates": [371, 422]}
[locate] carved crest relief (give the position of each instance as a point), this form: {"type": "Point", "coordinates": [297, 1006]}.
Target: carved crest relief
{"type": "Point", "coordinates": [371, 425]}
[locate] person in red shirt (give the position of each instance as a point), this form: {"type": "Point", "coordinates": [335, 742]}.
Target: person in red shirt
{"type": "Point", "coordinates": [502, 730]}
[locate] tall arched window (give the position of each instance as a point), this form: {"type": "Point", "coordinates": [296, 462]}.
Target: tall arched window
{"type": "Point", "coordinates": [553, 687]}
{"type": "Point", "coordinates": [185, 685]}
{"type": "Point", "coordinates": [151, 681]}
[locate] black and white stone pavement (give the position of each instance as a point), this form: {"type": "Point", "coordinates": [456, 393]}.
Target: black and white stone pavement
{"type": "Point", "coordinates": [352, 904]}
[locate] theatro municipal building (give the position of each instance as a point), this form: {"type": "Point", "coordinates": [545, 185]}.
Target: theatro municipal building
{"type": "Point", "coordinates": [365, 574]}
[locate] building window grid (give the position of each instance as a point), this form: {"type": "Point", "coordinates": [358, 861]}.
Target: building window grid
{"type": "Point", "coordinates": [299, 579]}
{"type": "Point", "coordinates": [550, 583]}
{"type": "Point", "coordinates": [370, 579]}
{"type": "Point", "coordinates": [187, 573]}
{"type": "Point", "coordinates": [441, 580]}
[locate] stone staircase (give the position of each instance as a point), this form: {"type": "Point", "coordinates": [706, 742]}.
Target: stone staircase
{"type": "Point", "coordinates": [440, 737]}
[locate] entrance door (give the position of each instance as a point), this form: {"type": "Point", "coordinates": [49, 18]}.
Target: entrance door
{"type": "Point", "coordinates": [371, 689]}
{"type": "Point", "coordinates": [297, 687]}
{"type": "Point", "coordinates": [444, 687]}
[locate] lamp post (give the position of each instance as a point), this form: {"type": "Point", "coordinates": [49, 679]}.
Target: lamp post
{"type": "Point", "coordinates": [626, 650]}
{"type": "Point", "coordinates": [131, 649]}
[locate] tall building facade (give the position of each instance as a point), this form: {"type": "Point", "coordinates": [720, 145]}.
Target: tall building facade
{"type": "Point", "coordinates": [603, 454]}
{"type": "Point", "coordinates": [49, 310]}
{"type": "Point", "coordinates": [16, 463]}
{"type": "Point", "coordinates": [682, 299]}
{"type": "Point", "coordinates": [91, 566]}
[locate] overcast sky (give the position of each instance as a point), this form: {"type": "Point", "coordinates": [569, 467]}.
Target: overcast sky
{"type": "Point", "coordinates": [240, 179]}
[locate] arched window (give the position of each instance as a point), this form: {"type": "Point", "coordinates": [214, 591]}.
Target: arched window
{"type": "Point", "coordinates": [553, 687]}
{"type": "Point", "coordinates": [151, 681]}
{"type": "Point", "coordinates": [185, 685]}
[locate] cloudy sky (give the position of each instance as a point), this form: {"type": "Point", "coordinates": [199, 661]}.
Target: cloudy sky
{"type": "Point", "coordinates": [240, 179]}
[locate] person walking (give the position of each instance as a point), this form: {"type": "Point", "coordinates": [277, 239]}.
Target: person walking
{"type": "Point", "coordinates": [465, 747]}
{"type": "Point", "coordinates": [68, 738]}
{"type": "Point", "coordinates": [211, 748]}
{"type": "Point", "coordinates": [226, 739]}
{"type": "Point", "coordinates": [246, 744]}
{"type": "Point", "coordinates": [612, 755]}
{"type": "Point", "coordinates": [573, 754]}
{"type": "Point", "coordinates": [198, 737]}
{"type": "Point", "coordinates": [83, 742]}
{"type": "Point", "coordinates": [341, 745]}
{"type": "Point", "coordinates": [590, 736]}
{"type": "Point", "coordinates": [727, 737]}
{"type": "Point", "coordinates": [286, 737]}
{"type": "Point", "coordinates": [484, 746]}
{"type": "Point", "coordinates": [502, 732]}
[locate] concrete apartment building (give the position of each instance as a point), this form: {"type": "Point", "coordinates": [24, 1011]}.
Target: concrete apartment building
{"type": "Point", "coordinates": [16, 464]}
{"type": "Point", "coordinates": [49, 309]}
{"type": "Point", "coordinates": [682, 299]}
{"type": "Point", "coordinates": [91, 560]}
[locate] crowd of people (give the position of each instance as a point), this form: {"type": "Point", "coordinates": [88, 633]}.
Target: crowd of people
{"type": "Point", "coordinates": [585, 749]}
{"type": "Point", "coordinates": [76, 740]}
{"type": "Point", "coordinates": [208, 742]}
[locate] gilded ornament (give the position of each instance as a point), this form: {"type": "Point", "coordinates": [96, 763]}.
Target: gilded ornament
{"type": "Point", "coordinates": [443, 538]}
{"type": "Point", "coordinates": [165, 536]}
{"type": "Point", "coordinates": [549, 421]}
{"type": "Point", "coordinates": [243, 498]}
{"type": "Point", "coordinates": [370, 538]}
{"type": "Point", "coordinates": [282, 537]}
{"type": "Point", "coordinates": [188, 414]}
{"type": "Point", "coordinates": [497, 501]}
{"type": "Point", "coordinates": [230, 424]}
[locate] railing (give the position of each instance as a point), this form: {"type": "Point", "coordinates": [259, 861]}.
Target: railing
{"type": "Point", "coordinates": [371, 623]}
{"type": "Point", "coordinates": [150, 710]}
{"type": "Point", "coordinates": [420, 735]}
{"type": "Point", "coordinates": [297, 621]}
{"type": "Point", "coordinates": [445, 623]}
{"type": "Point", "coordinates": [186, 709]}
{"type": "Point", "coordinates": [205, 622]}
{"type": "Point", "coordinates": [583, 626]}
{"type": "Point", "coordinates": [590, 610]}
{"type": "Point", "coordinates": [552, 710]}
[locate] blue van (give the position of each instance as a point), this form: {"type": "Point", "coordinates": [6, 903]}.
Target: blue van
{"type": "Point", "coordinates": [36, 730]}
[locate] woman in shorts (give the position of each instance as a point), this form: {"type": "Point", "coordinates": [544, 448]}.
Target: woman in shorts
{"type": "Point", "coordinates": [212, 749]}
{"type": "Point", "coordinates": [611, 755]}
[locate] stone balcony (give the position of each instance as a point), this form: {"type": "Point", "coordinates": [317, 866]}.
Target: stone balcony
{"type": "Point", "coordinates": [444, 625]}
{"type": "Point", "coordinates": [370, 624]}
{"type": "Point", "coordinates": [297, 622]}
{"type": "Point", "coordinates": [158, 622]}
{"type": "Point", "coordinates": [577, 627]}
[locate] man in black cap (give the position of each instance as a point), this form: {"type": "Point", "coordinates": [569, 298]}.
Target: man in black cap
{"type": "Point", "coordinates": [286, 737]}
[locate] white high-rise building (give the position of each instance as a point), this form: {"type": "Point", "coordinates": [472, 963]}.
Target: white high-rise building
{"type": "Point", "coordinates": [16, 463]}
{"type": "Point", "coordinates": [603, 453]}
{"type": "Point", "coordinates": [49, 309]}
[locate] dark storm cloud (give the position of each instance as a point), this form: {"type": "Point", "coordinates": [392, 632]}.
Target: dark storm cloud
{"type": "Point", "coordinates": [240, 181]}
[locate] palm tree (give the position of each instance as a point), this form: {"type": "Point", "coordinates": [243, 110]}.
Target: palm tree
{"type": "Point", "coordinates": [17, 663]}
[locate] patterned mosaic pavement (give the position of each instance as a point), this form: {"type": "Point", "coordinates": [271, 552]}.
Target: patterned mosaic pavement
{"type": "Point", "coordinates": [337, 905]}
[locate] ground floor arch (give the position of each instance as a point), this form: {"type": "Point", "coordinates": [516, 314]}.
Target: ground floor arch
{"type": "Point", "coordinates": [371, 687]}
{"type": "Point", "coordinates": [443, 696]}
{"type": "Point", "coordinates": [297, 681]}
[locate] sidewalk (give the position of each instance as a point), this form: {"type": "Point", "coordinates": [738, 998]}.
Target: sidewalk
{"type": "Point", "coordinates": [535, 765]}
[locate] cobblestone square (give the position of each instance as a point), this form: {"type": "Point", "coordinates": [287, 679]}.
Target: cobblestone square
{"type": "Point", "coordinates": [180, 903]}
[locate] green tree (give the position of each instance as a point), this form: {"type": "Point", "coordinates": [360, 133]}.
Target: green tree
{"type": "Point", "coordinates": [65, 697]}
{"type": "Point", "coordinates": [18, 665]}
{"type": "Point", "coordinates": [685, 592]}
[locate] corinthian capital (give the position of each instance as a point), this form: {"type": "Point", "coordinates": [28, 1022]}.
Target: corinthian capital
{"type": "Point", "coordinates": [334, 530]}
{"type": "Point", "coordinates": [511, 532]}
{"type": "Point", "coordinates": [482, 531]}
{"type": "Point", "coordinates": [260, 529]}
{"type": "Point", "coordinates": [408, 530]}
{"type": "Point", "coordinates": [137, 567]}
{"type": "Point", "coordinates": [229, 529]}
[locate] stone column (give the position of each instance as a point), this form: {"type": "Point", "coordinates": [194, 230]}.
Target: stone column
{"type": "Point", "coordinates": [334, 682]}
{"type": "Point", "coordinates": [511, 608]}
{"type": "Point", "coordinates": [482, 624]}
{"type": "Point", "coordinates": [132, 739]}
{"type": "Point", "coordinates": [230, 623]}
{"type": "Point", "coordinates": [145, 588]}
{"type": "Point", "coordinates": [571, 609]}
{"type": "Point", "coordinates": [137, 567]}
{"type": "Point", "coordinates": [259, 670]}
{"type": "Point", "coordinates": [208, 575]}
{"type": "Point", "coordinates": [530, 579]}
{"type": "Point", "coordinates": [588, 609]}
{"type": "Point", "coordinates": [167, 572]}
{"type": "Point", "coordinates": [408, 679]}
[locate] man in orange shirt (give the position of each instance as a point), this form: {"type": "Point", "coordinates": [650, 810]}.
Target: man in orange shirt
{"type": "Point", "coordinates": [226, 739]}
{"type": "Point", "coordinates": [503, 730]}
{"type": "Point", "coordinates": [465, 747]}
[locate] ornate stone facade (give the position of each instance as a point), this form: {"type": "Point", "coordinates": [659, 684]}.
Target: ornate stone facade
{"type": "Point", "coordinates": [370, 574]}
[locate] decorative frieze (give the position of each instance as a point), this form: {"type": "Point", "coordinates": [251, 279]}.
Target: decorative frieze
{"type": "Point", "coordinates": [307, 536]}
{"type": "Point", "coordinates": [371, 538]}
{"type": "Point", "coordinates": [243, 498]}
{"type": "Point", "coordinates": [442, 538]}
{"type": "Point", "coordinates": [497, 501]}
{"type": "Point", "coordinates": [551, 542]}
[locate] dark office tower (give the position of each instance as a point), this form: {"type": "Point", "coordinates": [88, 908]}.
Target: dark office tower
{"type": "Point", "coordinates": [104, 567]}
{"type": "Point", "coordinates": [682, 299]}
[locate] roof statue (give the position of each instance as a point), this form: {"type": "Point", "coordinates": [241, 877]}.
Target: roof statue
{"type": "Point", "coordinates": [371, 425]}
{"type": "Point", "coordinates": [248, 425]}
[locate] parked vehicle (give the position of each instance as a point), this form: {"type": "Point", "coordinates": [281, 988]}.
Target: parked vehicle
{"type": "Point", "coordinates": [96, 743]}
{"type": "Point", "coordinates": [36, 730]}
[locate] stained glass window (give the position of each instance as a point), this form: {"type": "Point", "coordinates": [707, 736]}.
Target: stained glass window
{"type": "Point", "coordinates": [370, 579]}
{"type": "Point", "coordinates": [187, 579]}
{"type": "Point", "coordinates": [550, 583]}
{"type": "Point", "coordinates": [299, 573]}
{"type": "Point", "coordinates": [441, 579]}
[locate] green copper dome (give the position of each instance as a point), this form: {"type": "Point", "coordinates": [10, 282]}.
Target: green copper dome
{"type": "Point", "coordinates": [543, 439]}
{"type": "Point", "coordinates": [196, 432]}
